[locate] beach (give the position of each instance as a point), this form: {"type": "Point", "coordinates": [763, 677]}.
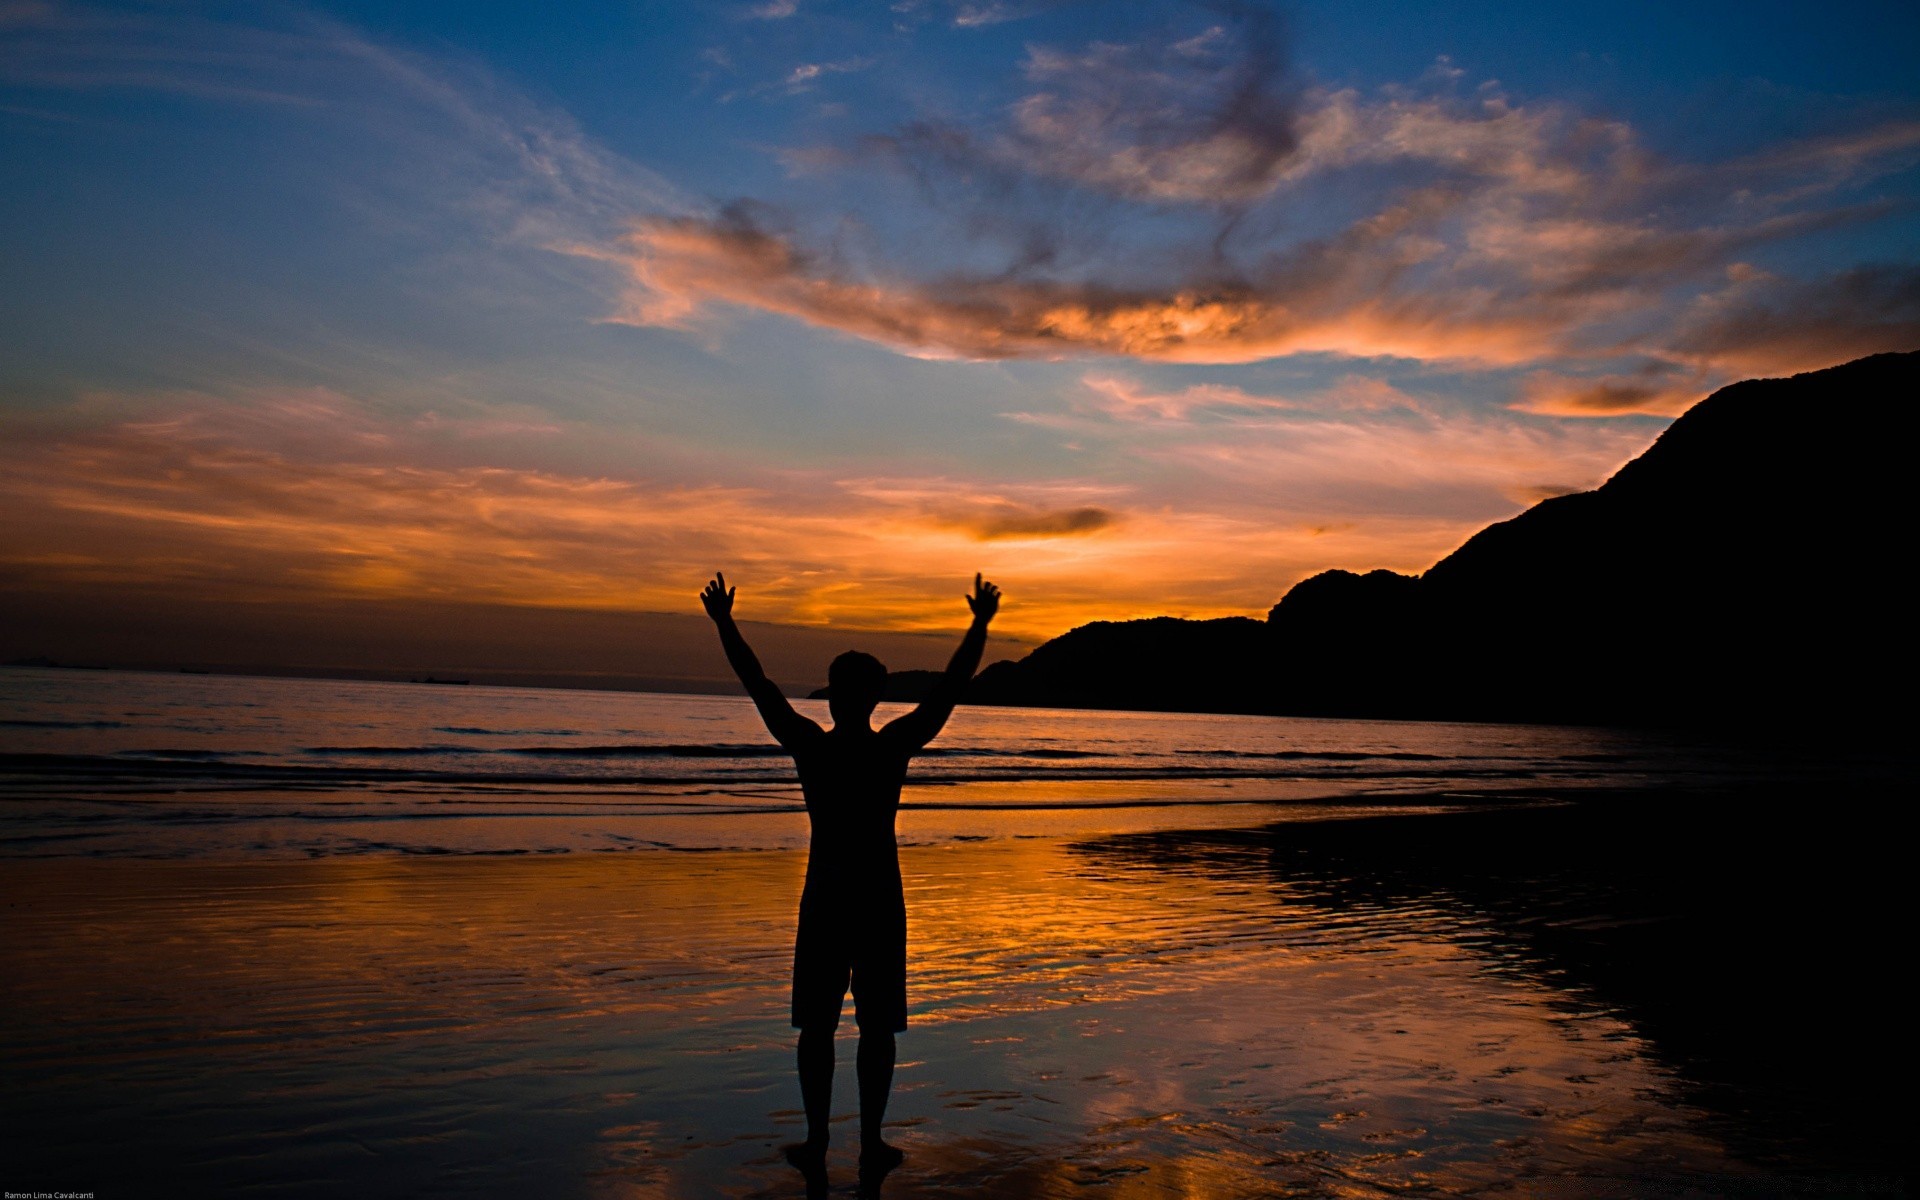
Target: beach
{"type": "Point", "coordinates": [1584, 991]}
{"type": "Point", "coordinates": [1344, 547]}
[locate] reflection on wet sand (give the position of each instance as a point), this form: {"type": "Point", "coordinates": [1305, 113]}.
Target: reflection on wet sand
{"type": "Point", "coordinates": [1748, 942]}
{"type": "Point", "coordinates": [1268, 1012]}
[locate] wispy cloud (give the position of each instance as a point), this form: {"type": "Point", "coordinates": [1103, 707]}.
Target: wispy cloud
{"type": "Point", "coordinates": [462, 139]}
{"type": "Point", "coordinates": [67, 47]}
{"type": "Point", "coordinates": [1187, 199]}
{"type": "Point", "coordinates": [806, 76]}
{"type": "Point", "coordinates": [1018, 523]}
{"type": "Point", "coordinates": [1003, 512]}
{"type": "Point", "coordinates": [1657, 388]}
{"type": "Point", "coordinates": [1119, 397]}
{"type": "Point", "coordinates": [976, 15]}
{"type": "Point", "coordinates": [1356, 447]}
{"type": "Point", "coordinates": [1344, 295]}
{"type": "Point", "coordinates": [1209, 118]}
{"type": "Point", "coordinates": [1764, 323]}
{"type": "Point", "coordinates": [314, 493]}
{"type": "Point", "coordinates": [1243, 215]}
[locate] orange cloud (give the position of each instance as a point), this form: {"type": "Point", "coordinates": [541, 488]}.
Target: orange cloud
{"type": "Point", "coordinates": [1336, 297]}
{"type": "Point", "coordinates": [1509, 288]}
{"type": "Point", "coordinates": [1451, 227]}
{"type": "Point", "coordinates": [1661, 390]}
{"type": "Point", "coordinates": [312, 495]}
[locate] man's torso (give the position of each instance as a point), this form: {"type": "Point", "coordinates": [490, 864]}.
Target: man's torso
{"type": "Point", "coordinates": [852, 786]}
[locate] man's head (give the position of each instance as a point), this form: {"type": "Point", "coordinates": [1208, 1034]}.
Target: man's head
{"type": "Point", "coordinates": [855, 683]}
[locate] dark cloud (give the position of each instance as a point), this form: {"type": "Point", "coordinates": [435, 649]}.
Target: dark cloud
{"type": "Point", "coordinates": [1185, 197]}
{"type": "Point", "coordinates": [1768, 323]}
{"type": "Point", "coordinates": [1657, 388]}
{"type": "Point", "coordinates": [1208, 118]}
{"type": "Point", "coordinates": [1609, 397]}
{"type": "Point", "coordinates": [1196, 119]}
{"type": "Point", "coordinates": [1015, 523]}
{"type": "Point", "coordinates": [1535, 493]}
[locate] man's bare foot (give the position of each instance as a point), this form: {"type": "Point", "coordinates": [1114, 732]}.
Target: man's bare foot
{"type": "Point", "coordinates": [879, 1156]}
{"type": "Point", "coordinates": [810, 1155]}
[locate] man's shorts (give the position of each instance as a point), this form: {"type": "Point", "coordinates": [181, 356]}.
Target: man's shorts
{"type": "Point", "coordinates": [828, 953]}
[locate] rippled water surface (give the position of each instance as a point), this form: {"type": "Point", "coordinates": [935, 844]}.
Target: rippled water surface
{"type": "Point", "coordinates": [307, 938]}
{"type": "Point", "coordinates": [95, 762]}
{"type": "Point", "coordinates": [615, 1026]}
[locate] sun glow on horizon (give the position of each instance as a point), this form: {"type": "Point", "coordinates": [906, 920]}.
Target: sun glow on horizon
{"type": "Point", "coordinates": [320, 496]}
{"type": "Point", "coordinates": [1140, 310]}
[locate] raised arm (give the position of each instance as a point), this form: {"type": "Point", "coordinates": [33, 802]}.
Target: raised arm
{"type": "Point", "coordinates": [921, 725]}
{"type": "Point", "coordinates": [782, 721]}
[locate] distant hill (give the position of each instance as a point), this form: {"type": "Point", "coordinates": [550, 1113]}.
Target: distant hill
{"type": "Point", "coordinates": [1164, 663]}
{"type": "Point", "coordinates": [1743, 567]}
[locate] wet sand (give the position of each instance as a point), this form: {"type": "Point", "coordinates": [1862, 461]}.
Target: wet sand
{"type": "Point", "coordinates": [1551, 1002]}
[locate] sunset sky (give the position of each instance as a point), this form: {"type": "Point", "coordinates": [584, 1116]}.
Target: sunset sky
{"type": "Point", "coordinates": [1140, 309]}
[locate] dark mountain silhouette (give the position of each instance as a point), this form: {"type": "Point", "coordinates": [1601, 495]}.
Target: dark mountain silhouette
{"type": "Point", "coordinates": [1163, 663]}
{"type": "Point", "coordinates": [1737, 569]}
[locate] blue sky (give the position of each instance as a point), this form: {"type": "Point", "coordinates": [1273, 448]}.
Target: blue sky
{"type": "Point", "coordinates": [1148, 308]}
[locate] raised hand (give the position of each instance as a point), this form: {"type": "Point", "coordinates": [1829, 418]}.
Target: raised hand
{"type": "Point", "coordinates": [985, 600]}
{"type": "Point", "coordinates": [718, 597]}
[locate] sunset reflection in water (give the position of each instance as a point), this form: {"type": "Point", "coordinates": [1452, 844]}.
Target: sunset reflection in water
{"type": "Point", "coordinates": [616, 1025]}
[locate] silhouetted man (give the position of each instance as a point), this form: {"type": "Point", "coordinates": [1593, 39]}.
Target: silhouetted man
{"type": "Point", "coordinates": [853, 915]}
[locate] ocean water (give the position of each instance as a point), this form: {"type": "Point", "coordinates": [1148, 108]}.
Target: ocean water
{"type": "Point", "coordinates": [316, 938]}
{"type": "Point", "coordinates": [160, 765]}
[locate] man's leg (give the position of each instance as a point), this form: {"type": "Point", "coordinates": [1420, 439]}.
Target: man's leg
{"type": "Point", "coordinates": [875, 1065]}
{"type": "Point", "coordinates": [820, 976]}
{"type": "Point", "coordinates": [880, 1006]}
{"type": "Point", "coordinates": [816, 1083]}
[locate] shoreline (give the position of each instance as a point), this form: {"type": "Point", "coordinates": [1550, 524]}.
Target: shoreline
{"type": "Point", "coordinates": [283, 826]}
{"type": "Point", "coordinates": [726, 688]}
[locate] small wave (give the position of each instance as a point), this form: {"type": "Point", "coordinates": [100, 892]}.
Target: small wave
{"type": "Point", "coordinates": [695, 750]}
{"type": "Point", "coordinates": [1017, 752]}
{"type": "Point", "coordinates": [657, 766]}
{"type": "Point", "coordinates": [375, 751]}
{"type": "Point", "coordinates": [622, 750]}
{"type": "Point", "coordinates": [207, 767]}
{"type": "Point", "coordinates": [1322, 755]}
{"type": "Point", "coordinates": [761, 750]}
{"type": "Point", "coordinates": [24, 723]}
{"type": "Point", "coordinates": [692, 750]}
